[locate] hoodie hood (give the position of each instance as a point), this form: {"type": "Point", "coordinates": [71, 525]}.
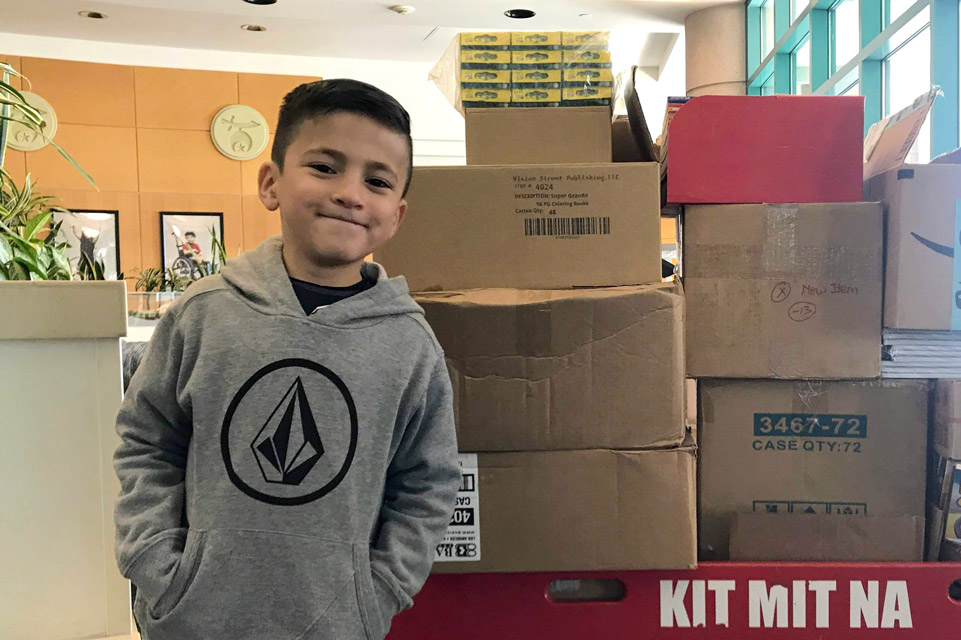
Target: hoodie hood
{"type": "Point", "coordinates": [261, 279]}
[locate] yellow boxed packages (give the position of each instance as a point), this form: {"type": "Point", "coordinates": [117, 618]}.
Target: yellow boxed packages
{"type": "Point", "coordinates": [587, 95]}
{"type": "Point", "coordinates": [596, 40]}
{"type": "Point", "coordinates": [536, 40]}
{"type": "Point", "coordinates": [545, 58]}
{"type": "Point", "coordinates": [485, 78]}
{"type": "Point", "coordinates": [586, 57]}
{"type": "Point", "coordinates": [496, 40]}
{"type": "Point", "coordinates": [550, 78]}
{"type": "Point", "coordinates": [593, 77]}
{"type": "Point", "coordinates": [485, 97]}
{"type": "Point", "coordinates": [484, 59]}
{"type": "Point", "coordinates": [536, 96]}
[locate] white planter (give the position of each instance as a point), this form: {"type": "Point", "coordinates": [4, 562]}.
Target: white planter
{"type": "Point", "coordinates": [60, 389]}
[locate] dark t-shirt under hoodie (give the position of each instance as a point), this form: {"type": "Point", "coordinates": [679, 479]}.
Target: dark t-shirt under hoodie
{"type": "Point", "coordinates": [313, 456]}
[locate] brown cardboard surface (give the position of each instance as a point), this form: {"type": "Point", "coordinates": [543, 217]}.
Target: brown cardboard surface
{"type": "Point", "coordinates": [889, 140]}
{"type": "Point", "coordinates": [921, 202]}
{"type": "Point", "coordinates": [563, 369]}
{"type": "Point", "coordinates": [476, 227]}
{"type": "Point", "coordinates": [880, 473]}
{"type": "Point", "coordinates": [624, 146]}
{"type": "Point", "coordinates": [584, 511]}
{"type": "Point", "coordinates": [763, 537]}
{"type": "Point", "coordinates": [783, 291]}
{"type": "Point", "coordinates": [552, 135]}
{"type": "Point", "coordinates": [947, 419]}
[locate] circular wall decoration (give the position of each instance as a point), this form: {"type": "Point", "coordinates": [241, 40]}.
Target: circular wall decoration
{"type": "Point", "coordinates": [22, 138]}
{"type": "Point", "coordinates": [239, 132]}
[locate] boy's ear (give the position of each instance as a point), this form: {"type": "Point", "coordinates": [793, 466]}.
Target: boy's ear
{"type": "Point", "coordinates": [401, 212]}
{"type": "Point", "coordinates": [267, 178]}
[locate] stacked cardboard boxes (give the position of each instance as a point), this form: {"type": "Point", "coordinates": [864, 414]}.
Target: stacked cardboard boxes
{"type": "Point", "coordinates": [804, 453]}
{"type": "Point", "coordinates": [565, 351]}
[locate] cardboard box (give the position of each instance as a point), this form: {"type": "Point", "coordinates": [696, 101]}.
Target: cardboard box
{"type": "Point", "coordinates": [536, 40]}
{"type": "Point", "coordinates": [757, 149]}
{"type": "Point", "coordinates": [583, 511]}
{"type": "Point", "coordinates": [570, 135]}
{"type": "Point", "coordinates": [764, 537]}
{"type": "Point", "coordinates": [923, 205]}
{"type": "Point", "coordinates": [574, 369]}
{"type": "Point", "coordinates": [530, 227]}
{"type": "Point", "coordinates": [783, 291]}
{"type": "Point", "coordinates": [822, 448]}
{"type": "Point", "coordinates": [947, 419]}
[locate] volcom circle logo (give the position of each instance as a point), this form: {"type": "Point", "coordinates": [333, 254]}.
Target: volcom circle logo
{"type": "Point", "coordinates": [290, 433]}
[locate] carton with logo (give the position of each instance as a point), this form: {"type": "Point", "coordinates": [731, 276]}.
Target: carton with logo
{"type": "Point", "coordinates": [923, 205]}
{"type": "Point", "coordinates": [529, 227]}
{"type": "Point", "coordinates": [524, 40]}
{"type": "Point", "coordinates": [840, 448]}
{"type": "Point", "coordinates": [565, 369]}
{"type": "Point", "coordinates": [783, 291]}
{"type": "Point", "coordinates": [588, 510]}
{"type": "Point", "coordinates": [494, 40]}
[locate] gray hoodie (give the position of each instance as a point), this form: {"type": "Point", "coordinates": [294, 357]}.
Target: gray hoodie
{"type": "Point", "coordinates": [283, 476]}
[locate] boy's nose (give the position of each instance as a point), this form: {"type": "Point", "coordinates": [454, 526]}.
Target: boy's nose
{"type": "Point", "coordinates": [347, 194]}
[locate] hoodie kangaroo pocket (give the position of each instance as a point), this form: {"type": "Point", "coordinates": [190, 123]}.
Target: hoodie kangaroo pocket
{"type": "Point", "coordinates": [257, 584]}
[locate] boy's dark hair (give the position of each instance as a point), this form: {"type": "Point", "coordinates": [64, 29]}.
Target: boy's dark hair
{"type": "Point", "coordinates": [323, 97]}
{"type": "Point", "coordinates": [189, 233]}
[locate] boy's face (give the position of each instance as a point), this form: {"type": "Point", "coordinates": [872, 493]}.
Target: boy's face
{"type": "Point", "coordinates": [340, 192]}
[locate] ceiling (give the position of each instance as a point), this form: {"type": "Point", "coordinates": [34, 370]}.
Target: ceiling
{"type": "Point", "coordinates": [343, 28]}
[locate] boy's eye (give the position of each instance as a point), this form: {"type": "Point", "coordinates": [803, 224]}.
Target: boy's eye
{"type": "Point", "coordinates": [322, 168]}
{"type": "Point", "coordinates": [379, 183]}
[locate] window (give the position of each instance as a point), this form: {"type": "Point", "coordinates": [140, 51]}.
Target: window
{"type": "Point", "coordinates": [846, 32]}
{"type": "Point", "coordinates": [767, 28]}
{"type": "Point", "coordinates": [850, 85]}
{"type": "Point", "coordinates": [801, 66]}
{"type": "Point", "coordinates": [797, 6]}
{"type": "Point", "coordinates": [896, 9]}
{"type": "Point", "coordinates": [907, 75]}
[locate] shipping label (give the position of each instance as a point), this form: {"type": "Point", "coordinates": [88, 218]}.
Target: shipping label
{"type": "Point", "coordinates": [817, 433]}
{"type": "Point", "coordinates": [462, 541]}
{"type": "Point", "coordinates": [548, 206]}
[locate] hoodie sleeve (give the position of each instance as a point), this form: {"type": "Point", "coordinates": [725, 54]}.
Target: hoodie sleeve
{"type": "Point", "coordinates": [151, 461]}
{"type": "Point", "coordinates": [422, 482]}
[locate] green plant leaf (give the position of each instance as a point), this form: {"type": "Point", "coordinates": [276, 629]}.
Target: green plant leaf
{"type": "Point", "coordinates": [76, 166]}
{"type": "Point", "coordinates": [35, 223]}
{"type": "Point", "coordinates": [6, 252]}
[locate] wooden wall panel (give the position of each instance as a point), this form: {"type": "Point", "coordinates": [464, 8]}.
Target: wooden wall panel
{"type": "Point", "coordinates": [84, 92]}
{"type": "Point", "coordinates": [151, 204]}
{"type": "Point", "coordinates": [108, 154]}
{"type": "Point", "coordinates": [265, 93]}
{"type": "Point", "coordinates": [250, 169]}
{"type": "Point", "coordinates": [15, 163]}
{"type": "Point", "coordinates": [259, 224]}
{"type": "Point", "coordinates": [184, 162]}
{"type": "Point", "coordinates": [182, 99]}
{"type": "Point", "coordinates": [15, 62]}
{"type": "Point", "coordinates": [128, 207]}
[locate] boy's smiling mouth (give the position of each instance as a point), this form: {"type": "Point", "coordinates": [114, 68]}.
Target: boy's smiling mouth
{"type": "Point", "coordinates": [342, 219]}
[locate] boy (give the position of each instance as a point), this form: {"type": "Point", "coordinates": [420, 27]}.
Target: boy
{"type": "Point", "coordinates": [288, 454]}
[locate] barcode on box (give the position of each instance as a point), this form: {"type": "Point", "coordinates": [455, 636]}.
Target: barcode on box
{"type": "Point", "coordinates": [567, 226]}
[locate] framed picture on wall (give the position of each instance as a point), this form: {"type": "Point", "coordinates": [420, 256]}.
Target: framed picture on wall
{"type": "Point", "coordinates": [187, 242]}
{"type": "Point", "coordinates": [92, 234]}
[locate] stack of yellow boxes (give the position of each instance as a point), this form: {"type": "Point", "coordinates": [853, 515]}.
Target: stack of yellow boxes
{"type": "Point", "coordinates": [527, 69]}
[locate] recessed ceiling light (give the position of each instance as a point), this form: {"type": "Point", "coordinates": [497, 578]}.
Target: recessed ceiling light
{"type": "Point", "coordinates": [519, 14]}
{"type": "Point", "coordinates": [583, 15]}
{"type": "Point", "coordinates": [402, 9]}
{"type": "Point", "coordinates": [93, 15]}
{"type": "Point", "coordinates": [252, 27]}
{"type": "Point", "coordinates": [261, 2]}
